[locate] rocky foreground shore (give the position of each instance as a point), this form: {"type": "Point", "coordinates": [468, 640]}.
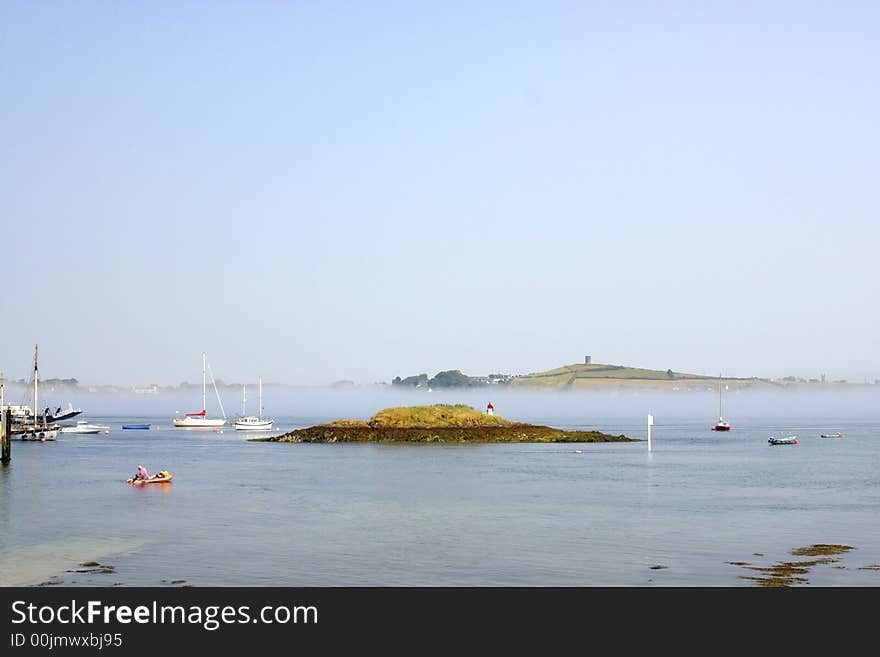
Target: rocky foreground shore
{"type": "Point", "coordinates": [438, 424]}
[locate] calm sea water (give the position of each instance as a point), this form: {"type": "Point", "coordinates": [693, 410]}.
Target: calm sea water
{"type": "Point", "coordinates": [696, 511]}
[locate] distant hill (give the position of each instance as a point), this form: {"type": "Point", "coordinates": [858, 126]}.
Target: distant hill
{"type": "Point", "coordinates": [583, 375]}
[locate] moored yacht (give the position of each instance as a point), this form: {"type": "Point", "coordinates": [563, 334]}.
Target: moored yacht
{"type": "Point", "coordinates": [721, 424]}
{"type": "Point", "coordinates": [201, 420]}
{"type": "Point", "coordinates": [252, 422]}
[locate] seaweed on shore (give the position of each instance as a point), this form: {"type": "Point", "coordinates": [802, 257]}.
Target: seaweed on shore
{"type": "Point", "coordinates": [94, 567]}
{"type": "Point", "coordinates": [786, 573]}
{"type": "Point", "coordinates": [55, 580]}
{"type": "Point", "coordinates": [821, 549]}
{"type": "Point", "coordinates": [790, 573]}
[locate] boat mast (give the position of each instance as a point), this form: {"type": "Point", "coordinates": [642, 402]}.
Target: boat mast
{"type": "Point", "coordinates": [243, 398]}
{"type": "Point", "coordinates": [36, 376]}
{"type": "Point", "coordinates": [720, 414]}
{"type": "Point", "coordinates": [204, 385]}
{"type": "Point", "coordinates": [261, 398]}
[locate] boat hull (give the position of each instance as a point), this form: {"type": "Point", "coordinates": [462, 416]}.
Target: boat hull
{"type": "Point", "coordinates": [252, 424]}
{"type": "Point", "coordinates": [24, 414]}
{"type": "Point", "coordinates": [63, 416]}
{"type": "Point", "coordinates": [196, 422]}
{"type": "Point", "coordinates": [84, 427]}
{"type": "Point", "coordinates": [151, 480]}
{"type": "Point", "coordinates": [39, 435]}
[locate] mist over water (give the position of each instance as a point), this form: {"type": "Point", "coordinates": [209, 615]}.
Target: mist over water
{"type": "Point", "coordinates": [572, 407]}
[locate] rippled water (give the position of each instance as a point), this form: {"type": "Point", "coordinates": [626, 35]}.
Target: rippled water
{"type": "Point", "coordinates": [241, 513]}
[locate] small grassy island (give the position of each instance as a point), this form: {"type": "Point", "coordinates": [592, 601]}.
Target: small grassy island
{"type": "Point", "coordinates": [440, 423]}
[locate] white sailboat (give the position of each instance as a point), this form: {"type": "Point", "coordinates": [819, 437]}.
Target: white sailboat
{"type": "Point", "coordinates": [252, 422]}
{"type": "Point", "coordinates": [201, 420]}
{"type": "Point", "coordinates": [39, 431]}
{"type": "Point", "coordinates": [721, 424]}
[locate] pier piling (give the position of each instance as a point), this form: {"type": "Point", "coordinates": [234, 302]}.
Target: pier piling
{"type": "Point", "coordinates": [5, 430]}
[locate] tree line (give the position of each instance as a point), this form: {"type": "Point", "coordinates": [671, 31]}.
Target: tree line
{"type": "Point", "coordinates": [447, 379]}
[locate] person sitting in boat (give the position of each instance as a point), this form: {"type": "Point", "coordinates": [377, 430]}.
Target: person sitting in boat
{"type": "Point", "coordinates": [142, 474]}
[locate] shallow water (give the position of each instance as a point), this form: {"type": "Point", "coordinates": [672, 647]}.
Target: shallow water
{"type": "Point", "coordinates": [241, 513]}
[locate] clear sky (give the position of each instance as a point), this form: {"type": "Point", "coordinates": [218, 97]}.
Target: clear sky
{"type": "Point", "coordinates": [313, 191]}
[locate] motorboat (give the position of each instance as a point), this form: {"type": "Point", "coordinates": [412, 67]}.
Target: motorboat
{"type": "Point", "coordinates": [25, 414]}
{"type": "Point", "coordinates": [783, 440]}
{"type": "Point", "coordinates": [833, 435]}
{"type": "Point", "coordinates": [84, 426]}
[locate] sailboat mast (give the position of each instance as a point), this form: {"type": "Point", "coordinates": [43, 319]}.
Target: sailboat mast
{"type": "Point", "coordinates": [720, 414]}
{"type": "Point", "coordinates": [36, 376]}
{"type": "Point", "coordinates": [243, 399]}
{"type": "Point", "coordinates": [261, 398]}
{"type": "Point", "coordinates": [204, 384]}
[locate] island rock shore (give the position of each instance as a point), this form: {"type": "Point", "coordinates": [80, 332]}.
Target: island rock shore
{"type": "Point", "coordinates": [438, 424]}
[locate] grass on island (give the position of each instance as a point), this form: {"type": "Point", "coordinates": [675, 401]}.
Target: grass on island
{"type": "Point", "coordinates": [428, 417]}
{"type": "Point", "coordinates": [438, 415]}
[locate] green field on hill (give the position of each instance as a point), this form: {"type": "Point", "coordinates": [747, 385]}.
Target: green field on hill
{"type": "Point", "coordinates": [598, 374]}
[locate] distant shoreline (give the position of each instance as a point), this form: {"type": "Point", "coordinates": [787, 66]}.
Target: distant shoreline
{"type": "Point", "coordinates": [581, 385]}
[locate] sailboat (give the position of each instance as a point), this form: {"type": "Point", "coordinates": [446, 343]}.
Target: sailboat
{"type": "Point", "coordinates": [252, 422]}
{"type": "Point", "coordinates": [201, 420]}
{"type": "Point", "coordinates": [721, 424]}
{"type": "Point", "coordinates": [39, 430]}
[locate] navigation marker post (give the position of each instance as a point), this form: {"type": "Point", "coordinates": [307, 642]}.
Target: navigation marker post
{"type": "Point", "coordinates": [650, 424]}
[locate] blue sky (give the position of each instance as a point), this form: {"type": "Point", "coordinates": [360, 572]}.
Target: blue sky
{"type": "Point", "coordinates": [317, 191]}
